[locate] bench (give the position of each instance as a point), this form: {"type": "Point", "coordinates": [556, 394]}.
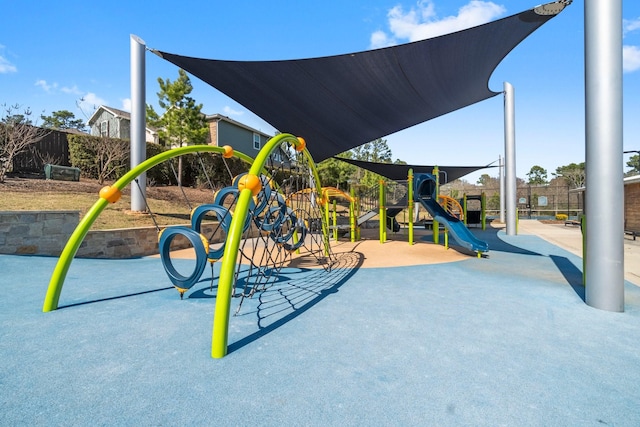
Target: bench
{"type": "Point", "coordinates": [572, 222]}
{"type": "Point", "coordinates": [632, 233]}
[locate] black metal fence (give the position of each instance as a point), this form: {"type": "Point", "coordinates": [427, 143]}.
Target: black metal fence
{"type": "Point", "coordinates": [537, 201]}
{"type": "Point", "coordinates": [533, 201]}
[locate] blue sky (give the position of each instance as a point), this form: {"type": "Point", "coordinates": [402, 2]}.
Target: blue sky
{"type": "Point", "coordinates": [74, 55]}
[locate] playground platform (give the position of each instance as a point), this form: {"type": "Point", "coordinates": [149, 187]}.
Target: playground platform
{"type": "Point", "coordinates": [503, 340]}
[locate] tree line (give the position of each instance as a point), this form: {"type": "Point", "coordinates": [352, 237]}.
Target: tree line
{"type": "Point", "coordinates": [181, 122]}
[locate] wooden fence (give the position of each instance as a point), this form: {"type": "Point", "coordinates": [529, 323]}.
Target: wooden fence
{"type": "Point", "coordinates": [53, 149]}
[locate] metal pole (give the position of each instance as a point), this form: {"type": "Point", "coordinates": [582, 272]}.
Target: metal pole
{"type": "Point", "coordinates": [510, 158]}
{"type": "Point", "coordinates": [502, 195]}
{"type": "Point", "coordinates": [604, 171]}
{"type": "Point", "coordinates": [138, 125]}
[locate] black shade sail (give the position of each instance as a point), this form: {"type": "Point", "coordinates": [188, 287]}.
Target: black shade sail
{"type": "Point", "coordinates": [397, 172]}
{"type": "Point", "coordinates": [340, 102]}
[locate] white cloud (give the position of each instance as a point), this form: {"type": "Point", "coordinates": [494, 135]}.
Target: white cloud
{"type": "Point", "coordinates": [380, 39]}
{"type": "Point", "coordinates": [629, 25]}
{"type": "Point", "coordinates": [126, 104]}
{"type": "Point", "coordinates": [53, 88]}
{"type": "Point", "coordinates": [46, 86]}
{"type": "Point", "coordinates": [90, 102]}
{"type": "Point", "coordinates": [5, 65]}
{"type": "Point", "coordinates": [231, 112]}
{"type": "Point", "coordinates": [422, 22]}
{"type": "Point", "coordinates": [71, 90]}
{"type": "Point", "coordinates": [630, 58]}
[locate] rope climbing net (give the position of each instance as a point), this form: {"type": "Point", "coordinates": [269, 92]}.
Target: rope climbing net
{"type": "Point", "coordinates": [284, 221]}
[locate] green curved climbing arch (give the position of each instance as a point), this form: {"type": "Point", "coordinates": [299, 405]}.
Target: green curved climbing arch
{"type": "Point", "coordinates": [71, 248]}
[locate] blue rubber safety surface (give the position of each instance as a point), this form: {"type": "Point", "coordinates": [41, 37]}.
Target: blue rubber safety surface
{"type": "Point", "coordinates": [506, 340]}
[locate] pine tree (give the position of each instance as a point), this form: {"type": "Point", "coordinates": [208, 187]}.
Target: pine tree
{"type": "Point", "coordinates": [62, 119]}
{"type": "Point", "coordinates": [182, 122]}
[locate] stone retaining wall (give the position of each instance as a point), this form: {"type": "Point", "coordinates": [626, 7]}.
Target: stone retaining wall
{"type": "Point", "coordinates": [36, 232]}
{"type": "Point", "coordinates": [47, 232]}
{"type": "Point", "coordinates": [131, 242]}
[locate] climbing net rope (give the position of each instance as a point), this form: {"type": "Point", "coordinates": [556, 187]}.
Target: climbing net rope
{"type": "Point", "coordinates": [284, 221]}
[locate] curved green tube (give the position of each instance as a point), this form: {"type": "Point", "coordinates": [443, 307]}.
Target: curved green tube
{"type": "Point", "coordinates": [71, 248]}
{"type": "Point", "coordinates": [220, 332]}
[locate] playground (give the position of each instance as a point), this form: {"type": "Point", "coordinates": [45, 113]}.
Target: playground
{"type": "Point", "coordinates": [320, 330]}
{"type": "Point", "coordinates": [364, 331]}
{"type": "Point", "coordinates": [311, 320]}
{"type": "Point", "coordinates": [470, 342]}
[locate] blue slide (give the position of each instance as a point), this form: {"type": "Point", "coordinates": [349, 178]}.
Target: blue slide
{"type": "Point", "coordinates": [424, 193]}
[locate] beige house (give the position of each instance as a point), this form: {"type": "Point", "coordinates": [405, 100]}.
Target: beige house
{"type": "Point", "coordinates": [226, 131]}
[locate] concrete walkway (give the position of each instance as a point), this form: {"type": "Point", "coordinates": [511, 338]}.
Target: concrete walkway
{"type": "Point", "coordinates": [570, 239]}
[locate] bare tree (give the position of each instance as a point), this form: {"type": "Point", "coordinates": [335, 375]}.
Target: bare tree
{"type": "Point", "coordinates": [111, 155]}
{"type": "Point", "coordinates": [17, 134]}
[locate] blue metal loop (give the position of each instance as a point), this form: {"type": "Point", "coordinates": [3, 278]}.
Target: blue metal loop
{"type": "Point", "coordinates": [196, 239]}
{"type": "Point", "coordinates": [224, 218]}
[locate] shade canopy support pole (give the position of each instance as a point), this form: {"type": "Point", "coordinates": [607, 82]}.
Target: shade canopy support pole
{"type": "Point", "coordinates": [510, 158]}
{"type": "Point", "coordinates": [138, 122]}
{"type": "Point", "coordinates": [604, 266]}
{"type": "Point", "coordinates": [501, 179]}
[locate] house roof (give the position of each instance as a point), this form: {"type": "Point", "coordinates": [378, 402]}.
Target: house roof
{"type": "Point", "coordinates": [114, 111]}
{"type": "Point", "coordinates": [631, 179]}
{"type": "Point", "coordinates": [340, 102]}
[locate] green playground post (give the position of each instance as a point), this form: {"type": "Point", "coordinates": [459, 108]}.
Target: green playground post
{"type": "Point", "coordinates": [381, 214]}
{"type": "Point", "coordinates": [483, 210]}
{"type": "Point", "coordinates": [410, 203]}
{"type": "Point", "coordinates": [353, 213]}
{"type": "Point", "coordinates": [436, 224]}
{"type": "Point", "coordinates": [464, 208]}
{"type": "Point", "coordinates": [446, 238]}
{"type": "Point", "coordinates": [335, 221]}
{"type": "Point", "coordinates": [326, 210]}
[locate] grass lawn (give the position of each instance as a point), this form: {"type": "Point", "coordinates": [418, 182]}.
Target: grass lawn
{"type": "Point", "coordinates": [168, 205]}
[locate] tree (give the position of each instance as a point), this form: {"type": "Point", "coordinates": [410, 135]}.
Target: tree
{"type": "Point", "coordinates": [377, 151]}
{"type": "Point", "coordinates": [62, 119]}
{"type": "Point", "coordinates": [336, 173]}
{"type": "Point", "coordinates": [99, 157]}
{"type": "Point", "coordinates": [488, 182]}
{"type": "Point", "coordinates": [484, 179]}
{"type": "Point", "coordinates": [17, 134]}
{"type": "Point", "coordinates": [634, 164]}
{"type": "Point", "coordinates": [573, 174]}
{"type": "Point", "coordinates": [182, 121]}
{"type": "Point", "coordinates": [537, 175]}
{"type": "Point", "coordinates": [111, 154]}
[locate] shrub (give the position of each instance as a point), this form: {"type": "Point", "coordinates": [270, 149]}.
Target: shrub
{"type": "Point", "coordinates": [160, 174]}
{"type": "Point", "coordinates": [562, 217]}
